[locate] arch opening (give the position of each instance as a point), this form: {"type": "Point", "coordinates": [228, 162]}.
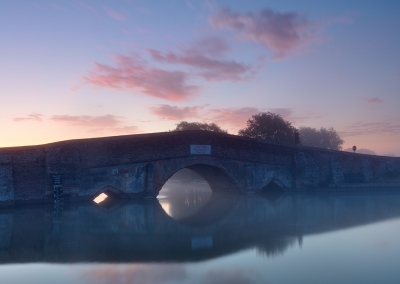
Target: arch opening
{"type": "Point", "coordinates": [184, 194]}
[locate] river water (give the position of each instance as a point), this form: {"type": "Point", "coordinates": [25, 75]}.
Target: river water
{"type": "Point", "coordinates": [190, 235]}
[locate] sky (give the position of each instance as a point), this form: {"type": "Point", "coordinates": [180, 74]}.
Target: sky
{"type": "Point", "coordinates": [79, 69]}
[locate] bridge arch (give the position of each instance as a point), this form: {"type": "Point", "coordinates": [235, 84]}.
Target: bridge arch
{"type": "Point", "coordinates": [215, 174]}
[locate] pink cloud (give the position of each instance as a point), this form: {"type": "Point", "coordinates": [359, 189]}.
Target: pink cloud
{"type": "Point", "coordinates": [105, 124]}
{"type": "Point", "coordinates": [176, 113]}
{"type": "Point", "coordinates": [86, 120]}
{"type": "Point", "coordinates": [115, 15]}
{"type": "Point", "coordinates": [130, 74]}
{"type": "Point", "coordinates": [136, 273]}
{"type": "Point", "coordinates": [31, 117]}
{"type": "Point", "coordinates": [205, 57]}
{"type": "Point", "coordinates": [213, 69]}
{"type": "Point", "coordinates": [373, 101]}
{"type": "Point", "coordinates": [281, 33]}
{"type": "Point", "coordinates": [209, 46]}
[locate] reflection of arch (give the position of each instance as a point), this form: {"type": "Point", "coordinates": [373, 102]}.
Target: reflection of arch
{"type": "Point", "coordinates": [217, 208]}
{"type": "Point", "coordinates": [273, 190]}
{"type": "Point", "coordinates": [218, 178]}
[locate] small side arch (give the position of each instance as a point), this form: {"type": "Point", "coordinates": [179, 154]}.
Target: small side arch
{"type": "Point", "coordinates": [111, 191]}
{"type": "Point", "coordinates": [274, 184]}
{"type": "Point", "coordinates": [273, 190]}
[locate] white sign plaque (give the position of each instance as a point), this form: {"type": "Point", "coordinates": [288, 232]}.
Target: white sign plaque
{"type": "Point", "coordinates": [200, 149]}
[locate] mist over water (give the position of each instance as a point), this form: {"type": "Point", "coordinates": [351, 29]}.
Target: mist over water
{"type": "Point", "coordinates": [184, 194]}
{"type": "Point", "coordinates": [191, 235]}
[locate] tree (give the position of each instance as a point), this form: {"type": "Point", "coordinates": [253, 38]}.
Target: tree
{"type": "Point", "coordinates": [184, 125]}
{"type": "Point", "coordinates": [269, 126]}
{"type": "Point", "coordinates": [322, 138]}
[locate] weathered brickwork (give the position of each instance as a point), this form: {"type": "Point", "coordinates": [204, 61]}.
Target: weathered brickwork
{"type": "Point", "coordinates": [6, 179]}
{"type": "Point", "coordinates": [29, 173]}
{"type": "Point", "coordinates": [139, 165]}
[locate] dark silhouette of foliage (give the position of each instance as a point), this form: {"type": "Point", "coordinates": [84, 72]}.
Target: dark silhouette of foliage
{"type": "Point", "coordinates": [184, 125]}
{"type": "Point", "coordinates": [322, 138]}
{"type": "Point", "coordinates": [275, 247]}
{"type": "Point", "coordinates": [269, 126]}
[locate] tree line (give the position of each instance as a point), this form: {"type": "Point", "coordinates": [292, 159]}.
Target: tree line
{"type": "Point", "coordinates": [272, 127]}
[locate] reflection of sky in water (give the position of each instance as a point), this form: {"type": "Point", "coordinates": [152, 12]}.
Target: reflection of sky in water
{"type": "Point", "coordinates": [365, 254]}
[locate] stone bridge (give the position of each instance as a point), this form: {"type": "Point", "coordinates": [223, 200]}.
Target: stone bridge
{"type": "Point", "coordinates": [139, 165]}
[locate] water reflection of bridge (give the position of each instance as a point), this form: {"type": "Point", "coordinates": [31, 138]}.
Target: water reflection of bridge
{"type": "Point", "coordinates": [142, 231]}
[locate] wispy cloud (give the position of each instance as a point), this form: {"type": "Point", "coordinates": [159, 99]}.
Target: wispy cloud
{"type": "Point", "coordinates": [376, 128]}
{"type": "Point", "coordinates": [105, 124]}
{"type": "Point", "coordinates": [210, 46]}
{"type": "Point", "coordinates": [131, 74]}
{"type": "Point", "coordinates": [205, 56]}
{"type": "Point", "coordinates": [175, 112]}
{"type": "Point", "coordinates": [114, 14]}
{"type": "Point", "coordinates": [30, 117]}
{"type": "Point", "coordinates": [87, 120]}
{"type": "Point", "coordinates": [373, 101]}
{"type": "Point", "coordinates": [212, 69]}
{"type": "Point", "coordinates": [281, 33]}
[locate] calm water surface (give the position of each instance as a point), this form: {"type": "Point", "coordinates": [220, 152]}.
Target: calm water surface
{"type": "Point", "coordinates": [189, 235]}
